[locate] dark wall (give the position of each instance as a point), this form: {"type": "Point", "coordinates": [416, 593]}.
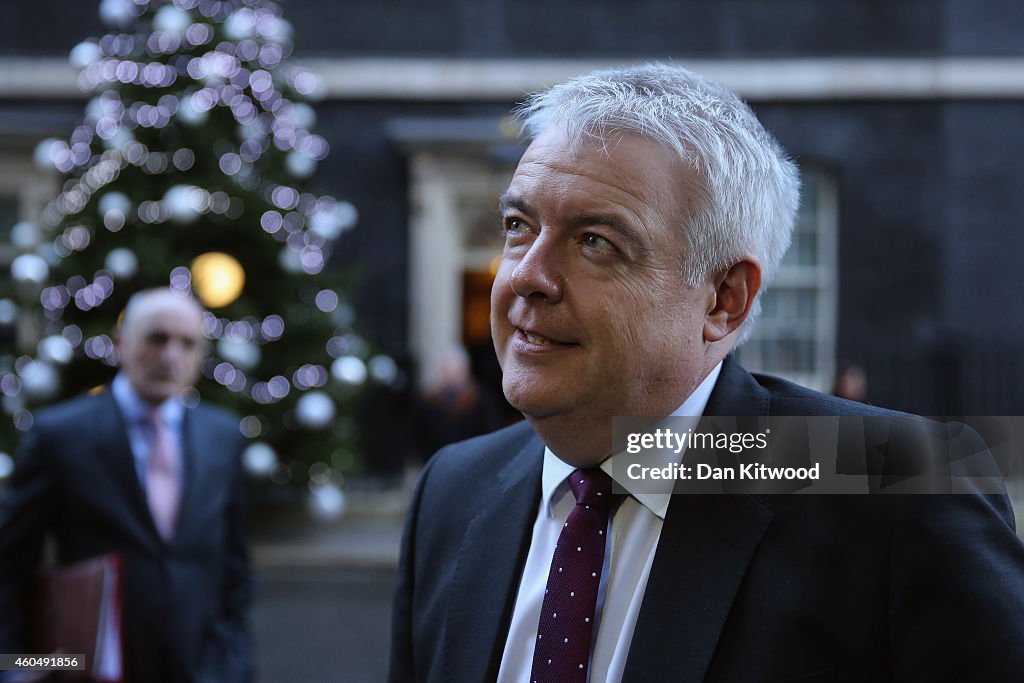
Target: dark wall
{"type": "Point", "coordinates": [929, 245]}
{"type": "Point", "coordinates": [983, 27]}
{"type": "Point", "coordinates": [47, 28]}
{"type": "Point", "coordinates": [585, 28]}
{"type": "Point", "coordinates": [888, 160]}
{"type": "Point", "coordinates": [502, 28]}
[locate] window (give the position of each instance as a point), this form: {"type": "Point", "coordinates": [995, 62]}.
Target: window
{"type": "Point", "coordinates": [796, 335]}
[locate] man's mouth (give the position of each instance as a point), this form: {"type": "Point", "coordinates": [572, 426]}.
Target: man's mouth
{"type": "Point", "coordinates": [541, 340]}
{"type": "Point", "coordinates": [537, 339]}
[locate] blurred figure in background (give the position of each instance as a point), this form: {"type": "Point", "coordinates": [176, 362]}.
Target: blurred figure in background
{"type": "Point", "coordinates": [387, 415]}
{"type": "Point", "coordinates": [136, 472]}
{"type": "Point", "coordinates": [454, 407]}
{"type": "Point", "coordinates": [851, 382]}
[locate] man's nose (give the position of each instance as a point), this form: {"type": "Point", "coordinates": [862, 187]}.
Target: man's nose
{"type": "Point", "coordinates": [172, 352]}
{"type": "Point", "coordinates": [539, 273]}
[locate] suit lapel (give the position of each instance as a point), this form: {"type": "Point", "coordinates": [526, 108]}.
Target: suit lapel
{"type": "Point", "coordinates": [194, 437]}
{"type": "Point", "coordinates": [489, 566]}
{"type": "Point", "coordinates": [707, 542]}
{"type": "Point", "coordinates": [737, 394]}
{"type": "Point", "coordinates": [114, 450]}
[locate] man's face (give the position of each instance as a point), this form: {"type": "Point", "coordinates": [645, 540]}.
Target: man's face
{"type": "Point", "coordinates": [590, 314]}
{"type": "Point", "coordinates": [161, 347]}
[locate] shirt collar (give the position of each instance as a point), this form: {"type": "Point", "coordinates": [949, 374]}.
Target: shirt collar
{"type": "Point", "coordinates": [137, 409]}
{"type": "Point", "coordinates": [556, 471]}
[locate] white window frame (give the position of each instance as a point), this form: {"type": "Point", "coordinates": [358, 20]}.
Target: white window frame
{"type": "Point", "coordinates": [442, 185]}
{"type": "Point", "coordinates": [821, 278]}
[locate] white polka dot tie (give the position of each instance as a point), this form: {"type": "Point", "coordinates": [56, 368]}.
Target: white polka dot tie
{"type": "Point", "coordinates": [562, 651]}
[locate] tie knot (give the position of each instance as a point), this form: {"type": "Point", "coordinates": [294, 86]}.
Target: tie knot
{"type": "Point", "coordinates": [155, 418]}
{"type": "Point", "coordinates": [592, 487]}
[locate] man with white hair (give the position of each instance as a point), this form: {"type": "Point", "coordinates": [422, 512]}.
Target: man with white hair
{"type": "Point", "coordinates": [641, 227]}
{"type": "Point", "coordinates": [137, 472]}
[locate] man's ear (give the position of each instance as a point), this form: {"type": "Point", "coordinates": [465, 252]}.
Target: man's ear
{"type": "Point", "coordinates": [735, 290]}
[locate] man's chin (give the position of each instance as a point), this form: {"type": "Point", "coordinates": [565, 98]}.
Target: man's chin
{"type": "Point", "coordinates": [160, 392]}
{"type": "Point", "coordinates": [540, 393]}
{"type": "Point", "coordinates": [536, 407]}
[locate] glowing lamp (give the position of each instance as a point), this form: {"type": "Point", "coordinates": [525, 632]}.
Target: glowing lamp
{"type": "Point", "coordinates": [217, 279]}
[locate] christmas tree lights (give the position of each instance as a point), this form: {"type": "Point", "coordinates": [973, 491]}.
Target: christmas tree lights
{"type": "Point", "coordinates": [188, 171]}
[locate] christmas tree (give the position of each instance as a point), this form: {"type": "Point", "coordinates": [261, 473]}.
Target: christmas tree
{"type": "Point", "coordinates": [187, 172]}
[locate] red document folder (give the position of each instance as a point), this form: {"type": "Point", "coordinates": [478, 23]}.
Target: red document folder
{"type": "Point", "coordinates": [78, 611]}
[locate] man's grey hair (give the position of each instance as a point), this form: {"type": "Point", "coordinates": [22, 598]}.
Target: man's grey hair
{"type": "Point", "coordinates": [751, 189]}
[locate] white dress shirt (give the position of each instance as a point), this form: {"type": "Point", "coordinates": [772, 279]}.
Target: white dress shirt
{"type": "Point", "coordinates": [135, 411]}
{"type": "Point", "coordinates": [633, 535]}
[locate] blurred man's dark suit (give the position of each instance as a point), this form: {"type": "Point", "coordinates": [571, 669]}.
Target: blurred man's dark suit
{"type": "Point", "coordinates": [185, 602]}
{"type": "Point", "coordinates": [743, 588]}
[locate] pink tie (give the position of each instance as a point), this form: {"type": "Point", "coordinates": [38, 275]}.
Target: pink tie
{"type": "Point", "coordinates": [163, 477]}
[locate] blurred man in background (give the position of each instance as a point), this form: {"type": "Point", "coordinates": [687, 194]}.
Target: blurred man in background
{"type": "Point", "coordinates": [136, 472]}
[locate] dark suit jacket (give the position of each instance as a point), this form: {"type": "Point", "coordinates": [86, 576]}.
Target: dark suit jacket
{"type": "Point", "coordinates": [185, 602]}
{"type": "Point", "coordinates": [743, 587]}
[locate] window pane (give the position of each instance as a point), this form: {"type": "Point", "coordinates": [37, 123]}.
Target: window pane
{"type": "Point", "coordinates": [770, 305]}
{"type": "Point", "coordinates": [791, 337]}
{"type": "Point", "coordinates": [806, 304]}
{"type": "Point", "coordinates": [789, 355]}
{"type": "Point", "coordinates": [806, 248]}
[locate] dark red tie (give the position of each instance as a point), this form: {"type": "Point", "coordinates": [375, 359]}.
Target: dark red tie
{"type": "Point", "coordinates": [562, 653]}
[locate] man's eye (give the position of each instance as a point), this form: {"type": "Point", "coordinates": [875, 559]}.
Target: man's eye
{"type": "Point", "coordinates": [598, 243]}
{"type": "Point", "coordinates": [515, 228]}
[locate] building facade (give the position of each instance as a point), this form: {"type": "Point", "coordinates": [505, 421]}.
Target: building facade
{"type": "Point", "coordinates": [904, 117]}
